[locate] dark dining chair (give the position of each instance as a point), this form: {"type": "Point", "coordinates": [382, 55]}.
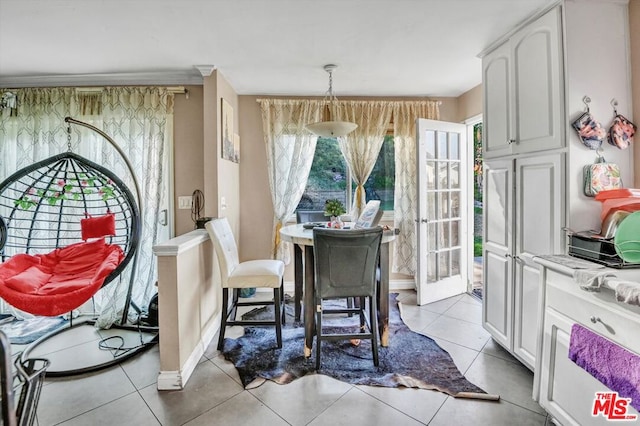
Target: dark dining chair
{"type": "Point", "coordinates": [306, 216]}
{"type": "Point", "coordinates": [345, 266]}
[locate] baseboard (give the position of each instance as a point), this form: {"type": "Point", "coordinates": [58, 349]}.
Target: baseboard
{"type": "Point", "coordinates": [176, 380]}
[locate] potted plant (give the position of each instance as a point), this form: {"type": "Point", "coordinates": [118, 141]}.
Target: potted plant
{"type": "Point", "coordinates": [334, 208]}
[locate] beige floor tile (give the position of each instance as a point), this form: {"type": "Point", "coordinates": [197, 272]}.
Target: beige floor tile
{"type": "Point", "coordinates": [485, 413]}
{"type": "Point", "coordinates": [128, 410]}
{"type": "Point", "coordinates": [243, 409]}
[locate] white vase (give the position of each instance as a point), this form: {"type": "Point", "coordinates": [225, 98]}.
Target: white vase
{"type": "Point", "coordinates": [336, 222]}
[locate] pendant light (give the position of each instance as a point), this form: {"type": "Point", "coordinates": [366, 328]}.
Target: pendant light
{"type": "Point", "coordinates": [331, 129]}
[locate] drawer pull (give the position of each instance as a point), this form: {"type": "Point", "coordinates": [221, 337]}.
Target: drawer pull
{"type": "Point", "coordinates": [595, 320]}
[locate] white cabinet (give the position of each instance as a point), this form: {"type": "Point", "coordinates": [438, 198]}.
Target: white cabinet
{"type": "Point", "coordinates": [567, 391]}
{"type": "Point", "coordinates": [523, 218]}
{"type": "Point", "coordinates": [523, 99]}
{"type": "Point", "coordinates": [534, 80]}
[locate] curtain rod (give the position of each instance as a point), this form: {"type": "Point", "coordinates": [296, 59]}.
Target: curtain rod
{"type": "Point", "coordinates": [173, 89]}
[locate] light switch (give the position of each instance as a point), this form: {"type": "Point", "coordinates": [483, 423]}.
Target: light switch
{"type": "Point", "coordinates": [223, 203]}
{"type": "Point", "coordinates": [185, 203]}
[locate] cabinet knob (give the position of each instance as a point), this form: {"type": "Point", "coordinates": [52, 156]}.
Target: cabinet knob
{"type": "Point", "coordinates": [595, 319]}
{"type": "Point", "coordinates": [510, 141]}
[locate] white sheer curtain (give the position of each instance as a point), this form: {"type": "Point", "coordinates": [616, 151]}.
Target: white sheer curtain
{"type": "Point", "coordinates": [361, 147]}
{"type": "Point", "coordinates": [290, 150]}
{"type": "Point", "coordinates": [406, 185]}
{"type": "Point", "coordinates": [140, 120]}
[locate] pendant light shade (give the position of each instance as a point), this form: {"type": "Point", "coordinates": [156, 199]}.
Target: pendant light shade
{"type": "Point", "coordinates": [331, 129]}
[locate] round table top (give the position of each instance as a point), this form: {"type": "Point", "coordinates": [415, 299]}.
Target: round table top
{"type": "Point", "coordinates": [297, 234]}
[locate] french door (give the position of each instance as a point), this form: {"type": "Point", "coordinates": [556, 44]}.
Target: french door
{"type": "Point", "coordinates": [442, 198]}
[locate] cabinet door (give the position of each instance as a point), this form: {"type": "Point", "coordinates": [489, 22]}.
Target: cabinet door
{"type": "Point", "coordinates": [536, 61]}
{"type": "Point", "coordinates": [497, 102]}
{"type": "Point", "coordinates": [497, 303]}
{"type": "Point", "coordinates": [538, 230]}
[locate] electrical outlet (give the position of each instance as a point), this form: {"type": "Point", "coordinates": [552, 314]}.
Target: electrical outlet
{"type": "Point", "coordinates": [185, 203]}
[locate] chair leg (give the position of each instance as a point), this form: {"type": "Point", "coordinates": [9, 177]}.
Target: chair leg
{"type": "Point", "coordinates": [223, 323]}
{"type": "Point", "coordinates": [278, 317]}
{"type": "Point", "coordinates": [234, 306]}
{"type": "Point", "coordinates": [373, 321]}
{"type": "Point", "coordinates": [362, 305]}
{"type": "Point", "coordinates": [284, 303]}
{"type": "Point", "coordinates": [318, 332]}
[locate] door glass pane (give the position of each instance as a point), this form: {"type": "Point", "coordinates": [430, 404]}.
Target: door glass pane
{"type": "Point", "coordinates": [443, 175]}
{"type": "Point", "coordinates": [455, 233]}
{"type": "Point", "coordinates": [455, 262]}
{"type": "Point", "coordinates": [454, 146]}
{"type": "Point", "coordinates": [430, 144]}
{"type": "Point", "coordinates": [446, 237]}
{"type": "Point", "coordinates": [455, 203]}
{"type": "Point", "coordinates": [440, 235]}
{"type": "Point", "coordinates": [443, 264]}
{"type": "Point", "coordinates": [431, 267]}
{"type": "Point", "coordinates": [430, 174]}
{"type": "Point", "coordinates": [443, 205]}
{"type": "Point", "coordinates": [442, 145]}
{"type": "Point", "coordinates": [431, 237]}
{"type": "Point", "coordinates": [454, 176]}
{"type": "Point", "coordinates": [431, 205]}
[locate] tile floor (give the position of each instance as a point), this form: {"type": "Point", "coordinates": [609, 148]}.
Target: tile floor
{"type": "Point", "coordinates": [126, 394]}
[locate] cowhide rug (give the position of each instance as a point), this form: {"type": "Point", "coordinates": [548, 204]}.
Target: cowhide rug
{"type": "Point", "coordinates": [411, 360]}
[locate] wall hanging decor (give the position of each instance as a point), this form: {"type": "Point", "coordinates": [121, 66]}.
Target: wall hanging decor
{"type": "Point", "coordinates": [590, 131]}
{"type": "Point", "coordinates": [622, 130]}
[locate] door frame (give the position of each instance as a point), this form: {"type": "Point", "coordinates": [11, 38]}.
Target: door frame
{"type": "Point", "coordinates": [470, 122]}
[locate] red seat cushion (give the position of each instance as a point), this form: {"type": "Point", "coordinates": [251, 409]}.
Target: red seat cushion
{"type": "Point", "coordinates": [57, 282]}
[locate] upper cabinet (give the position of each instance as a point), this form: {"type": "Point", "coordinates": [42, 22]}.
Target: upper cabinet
{"type": "Point", "coordinates": [523, 94]}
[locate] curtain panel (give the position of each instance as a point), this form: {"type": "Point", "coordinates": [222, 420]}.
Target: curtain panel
{"type": "Point", "coordinates": [290, 149]}
{"type": "Point", "coordinates": [405, 115]}
{"type": "Point", "coordinates": [139, 119]}
{"type": "Point", "coordinates": [361, 147]}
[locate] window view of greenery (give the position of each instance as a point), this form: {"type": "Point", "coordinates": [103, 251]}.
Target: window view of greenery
{"type": "Point", "coordinates": [329, 176]}
{"type": "Point", "coordinates": [477, 189]}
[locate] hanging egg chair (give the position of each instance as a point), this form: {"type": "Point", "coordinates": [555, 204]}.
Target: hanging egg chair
{"type": "Point", "coordinates": [68, 227]}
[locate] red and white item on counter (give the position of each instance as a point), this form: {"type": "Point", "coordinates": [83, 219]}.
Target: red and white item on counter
{"type": "Point", "coordinates": [626, 199]}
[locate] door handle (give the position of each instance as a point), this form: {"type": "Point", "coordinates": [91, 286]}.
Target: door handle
{"type": "Point", "coordinates": [163, 217]}
{"type": "Point", "coordinates": [421, 220]}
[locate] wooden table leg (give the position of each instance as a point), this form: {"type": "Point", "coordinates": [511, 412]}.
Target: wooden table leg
{"type": "Point", "coordinates": [309, 314]}
{"type": "Point", "coordinates": [297, 251]}
{"type": "Point", "coordinates": [383, 299]}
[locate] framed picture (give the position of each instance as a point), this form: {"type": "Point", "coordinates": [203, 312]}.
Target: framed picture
{"type": "Point", "coordinates": [236, 148]}
{"type": "Point", "coordinates": [226, 127]}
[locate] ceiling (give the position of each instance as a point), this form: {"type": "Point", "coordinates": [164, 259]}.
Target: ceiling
{"type": "Point", "coordinates": [262, 47]}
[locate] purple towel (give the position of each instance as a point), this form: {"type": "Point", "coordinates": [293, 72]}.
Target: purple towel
{"type": "Point", "coordinates": [614, 366]}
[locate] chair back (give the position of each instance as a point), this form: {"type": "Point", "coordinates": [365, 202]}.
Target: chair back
{"type": "Point", "coordinates": [346, 261]}
{"type": "Point", "coordinates": [306, 216]}
{"type": "Point", "coordinates": [225, 246]}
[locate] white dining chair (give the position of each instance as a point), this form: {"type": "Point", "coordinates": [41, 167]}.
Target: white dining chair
{"type": "Point", "coordinates": [263, 273]}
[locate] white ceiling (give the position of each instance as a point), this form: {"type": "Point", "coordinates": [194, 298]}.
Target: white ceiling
{"type": "Point", "coordinates": [262, 47]}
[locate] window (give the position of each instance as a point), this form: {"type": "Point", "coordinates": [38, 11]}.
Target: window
{"type": "Point", "coordinates": [329, 177]}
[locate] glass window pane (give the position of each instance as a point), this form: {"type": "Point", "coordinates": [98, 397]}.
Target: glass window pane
{"type": "Point", "coordinates": [430, 174]}
{"type": "Point", "coordinates": [442, 145]}
{"type": "Point", "coordinates": [431, 237]}
{"type": "Point", "coordinates": [443, 175]}
{"type": "Point", "coordinates": [455, 233]}
{"type": "Point", "coordinates": [431, 267]}
{"type": "Point", "coordinates": [381, 182]}
{"type": "Point", "coordinates": [454, 146]}
{"type": "Point", "coordinates": [446, 237]}
{"type": "Point", "coordinates": [327, 177]}
{"type": "Point", "coordinates": [443, 205]}
{"type": "Point", "coordinates": [430, 143]}
{"type": "Point", "coordinates": [443, 265]}
{"type": "Point", "coordinates": [431, 205]}
{"type": "Point", "coordinates": [455, 204]}
{"type": "Point", "coordinates": [454, 174]}
{"type": "Point", "coordinates": [455, 262]}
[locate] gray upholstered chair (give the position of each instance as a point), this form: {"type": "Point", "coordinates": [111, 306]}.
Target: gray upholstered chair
{"type": "Point", "coordinates": [306, 216]}
{"type": "Point", "coordinates": [345, 266]}
{"type": "Point", "coordinates": [236, 275]}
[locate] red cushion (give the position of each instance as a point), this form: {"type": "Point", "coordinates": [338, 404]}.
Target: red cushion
{"type": "Point", "coordinates": [99, 226]}
{"type": "Point", "coordinates": [29, 280]}
{"type": "Point", "coordinates": [73, 274]}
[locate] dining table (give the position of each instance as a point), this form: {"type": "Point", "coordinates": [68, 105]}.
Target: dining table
{"type": "Point", "coordinates": [301, 237]}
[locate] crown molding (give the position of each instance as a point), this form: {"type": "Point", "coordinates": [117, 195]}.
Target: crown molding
{"type": "Point", "coordinates": [191, 77]}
